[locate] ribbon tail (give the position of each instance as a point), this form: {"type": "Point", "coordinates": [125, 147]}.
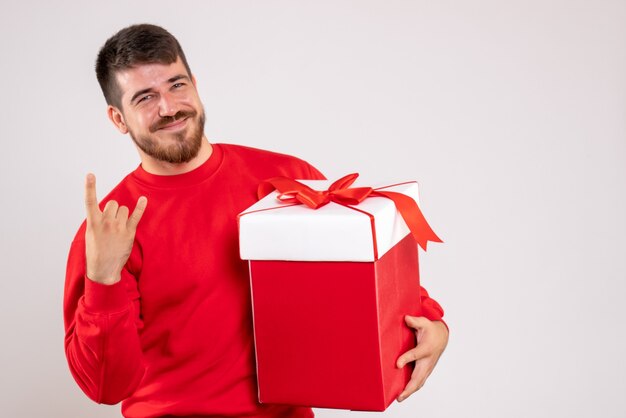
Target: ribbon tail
{"type": "Point", "coordinates": [264, 189]}
{"type": "Point", "coordinates": [291, 190]}
{"type": "Point", "coordinates": [413, 216]}
{"type": "Point", "coordinates": [281, 184]}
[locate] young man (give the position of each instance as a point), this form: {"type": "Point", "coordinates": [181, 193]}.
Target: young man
{"type": "Point", "coordinates": [157, 302]}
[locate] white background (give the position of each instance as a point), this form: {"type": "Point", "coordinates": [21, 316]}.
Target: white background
{"type": "Point", "coordinates": [510, 114]}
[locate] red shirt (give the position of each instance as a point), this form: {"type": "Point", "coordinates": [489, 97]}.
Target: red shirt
{"type": "Point", "coordinates": [174, 336]}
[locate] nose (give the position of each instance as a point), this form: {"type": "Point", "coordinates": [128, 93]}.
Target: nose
{"type": "Point", "coordinates": [167, 105]}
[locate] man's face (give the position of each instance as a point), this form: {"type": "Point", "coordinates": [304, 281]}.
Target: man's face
{"type": "Point", "coordinates": [161, 110]}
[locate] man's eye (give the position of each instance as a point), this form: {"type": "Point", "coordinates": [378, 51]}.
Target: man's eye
{"type": "Point", "coordinates": [178, 85]}
{"type": "Point", "coordinates": [144, 98]}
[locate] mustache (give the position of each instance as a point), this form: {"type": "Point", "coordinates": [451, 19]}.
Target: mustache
{"type": "Point", "coordinates": [164, 121]}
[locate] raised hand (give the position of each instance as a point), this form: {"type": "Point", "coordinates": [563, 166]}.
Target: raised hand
{"type": "Point", "coordinates": [432, 338]}
{"type": "Point", "coordinates": [110, 235]}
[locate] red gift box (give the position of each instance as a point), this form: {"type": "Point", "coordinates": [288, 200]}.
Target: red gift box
{"type": "Point", "coordinates": [329, 319]}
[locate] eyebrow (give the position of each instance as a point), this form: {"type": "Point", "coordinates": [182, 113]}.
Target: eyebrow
{"type": "Point", "coordinates": [148, 90]}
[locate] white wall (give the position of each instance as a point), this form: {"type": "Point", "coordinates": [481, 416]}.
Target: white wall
{"type": "Point", "coordinates": [511, 114]}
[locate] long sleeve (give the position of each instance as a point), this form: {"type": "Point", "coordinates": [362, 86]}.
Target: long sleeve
{"type": "Point", "coordinates": [101, 331]}
{"type": "Point", "coordinates": [430, 307]}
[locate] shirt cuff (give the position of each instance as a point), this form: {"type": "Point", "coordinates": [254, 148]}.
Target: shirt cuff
{"type": "Point", "coordinates": [103, 298]}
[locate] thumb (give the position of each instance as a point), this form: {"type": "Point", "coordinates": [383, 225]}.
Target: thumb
{"type": "Point", "coordinates": [416, 322]}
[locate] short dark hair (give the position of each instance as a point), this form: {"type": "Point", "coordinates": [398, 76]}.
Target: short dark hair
{"type": "Point", "coordinates": [132, 46]}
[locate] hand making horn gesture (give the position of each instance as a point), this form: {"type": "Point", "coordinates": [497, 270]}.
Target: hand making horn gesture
{"type": "Point", "coordinates": [110, 235]}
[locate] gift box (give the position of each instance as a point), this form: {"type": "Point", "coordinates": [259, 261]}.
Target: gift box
{"type": "Point", "coordinates": [330, 289]}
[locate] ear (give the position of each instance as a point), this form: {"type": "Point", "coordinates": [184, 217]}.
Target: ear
{"type": "Point", "coordinates": [117, 117]}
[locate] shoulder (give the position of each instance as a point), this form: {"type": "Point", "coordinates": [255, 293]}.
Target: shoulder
{"type": "Point", "coordinates": [257, 153]}
{"type": "Point", "coordinates": [273, 163]}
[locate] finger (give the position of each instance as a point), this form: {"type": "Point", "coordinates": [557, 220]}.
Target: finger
{"type": "Point", "coordinates": [416, 322]}
{"type": "Point", "coordinates": [122, 213]}
{"type": "Point", "coordinates": [140, 208]}
{"type": "Point", "coordinates": [110, 209]}
{"type": "Point", "coordinates": [415, 354]}
{"type": "Point", "coordinates": [91, 201]}
{"type": "Point", "coordinates": [418, 378]}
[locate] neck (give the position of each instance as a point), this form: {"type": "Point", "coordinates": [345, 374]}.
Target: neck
{"type": "Point", "coordinates": [162, 168]}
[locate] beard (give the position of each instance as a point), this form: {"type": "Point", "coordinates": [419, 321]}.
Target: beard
{"type": "Point", "coordinates": [185, 145]}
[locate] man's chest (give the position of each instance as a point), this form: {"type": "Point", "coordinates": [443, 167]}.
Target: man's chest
{"type": "Point", "coordinates": [187, 247]}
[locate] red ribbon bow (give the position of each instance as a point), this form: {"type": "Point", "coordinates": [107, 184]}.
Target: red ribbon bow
{"type": "Point", "coordinates": [292, 191]}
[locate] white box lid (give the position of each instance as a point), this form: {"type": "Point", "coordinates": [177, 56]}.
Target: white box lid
{"type": "Point", "coordinates": [272, 230]}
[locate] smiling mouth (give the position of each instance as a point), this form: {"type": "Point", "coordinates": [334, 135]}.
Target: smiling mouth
{"type": "Point", "coordinates": [174, 125]}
